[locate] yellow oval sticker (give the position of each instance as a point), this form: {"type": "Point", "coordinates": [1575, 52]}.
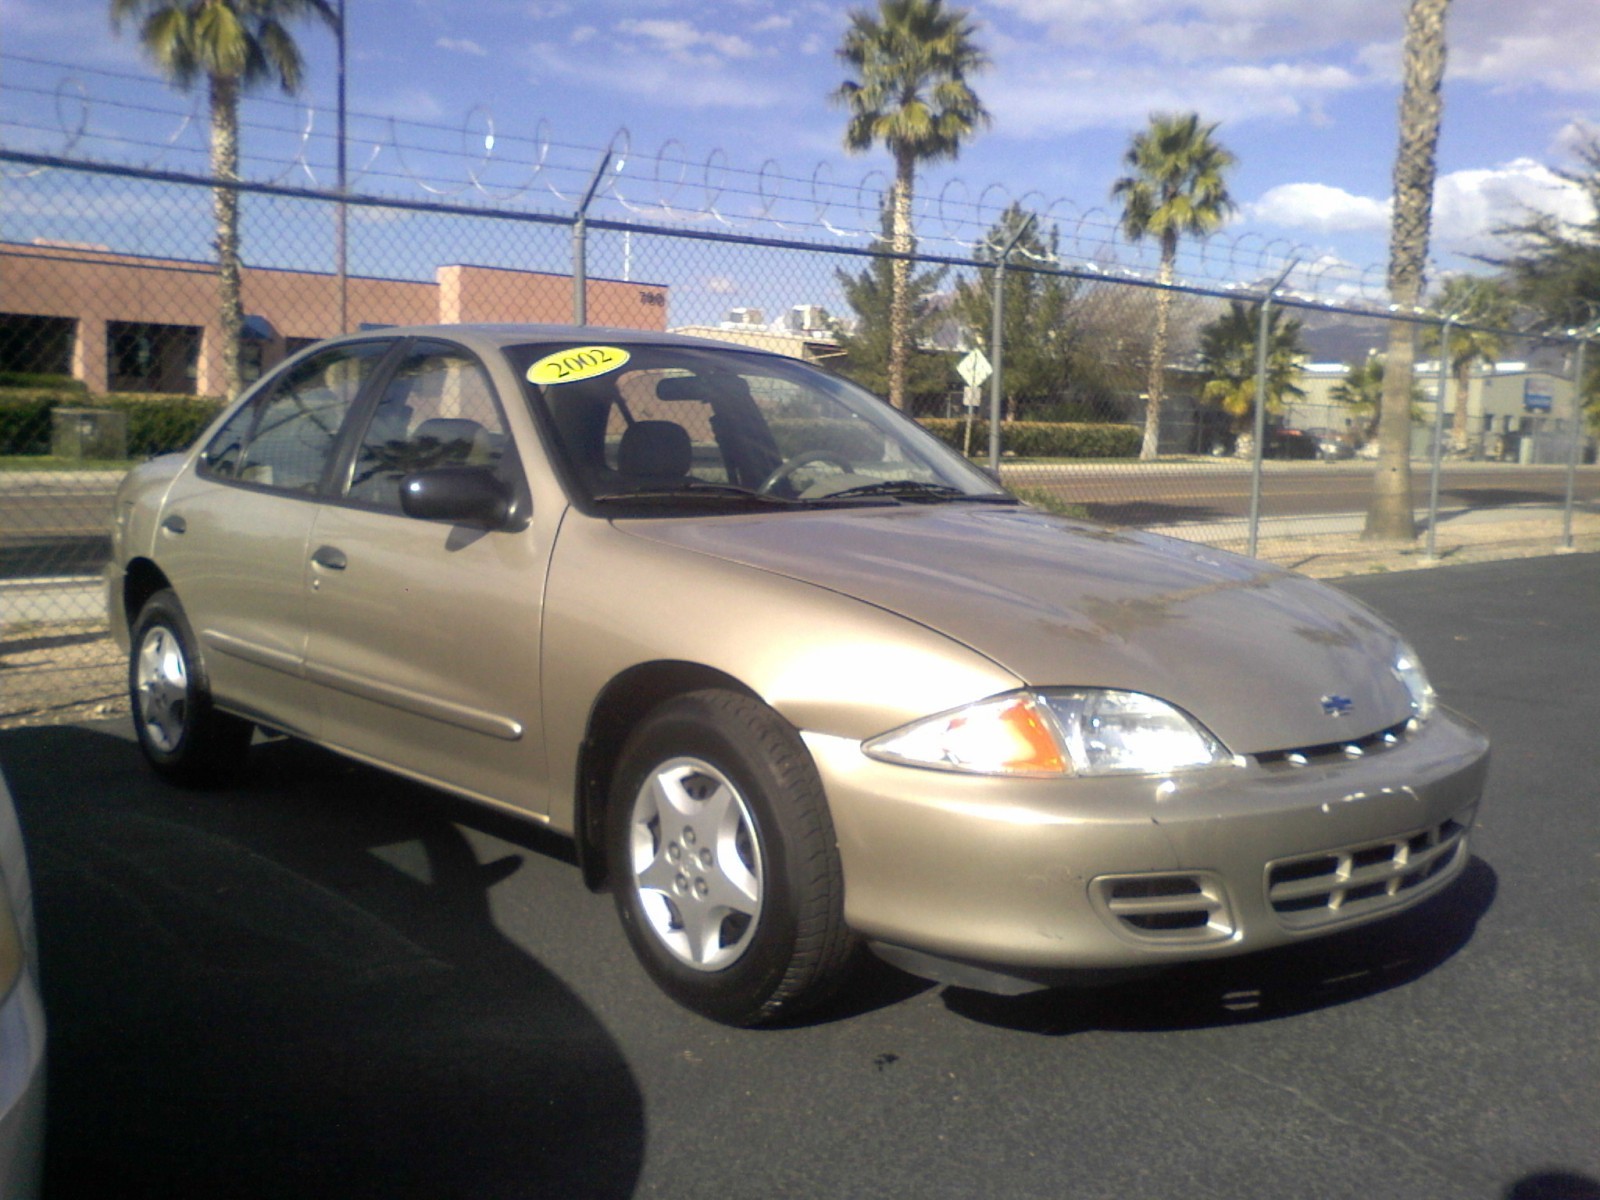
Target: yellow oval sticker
{"type": "Point", "coordinates": [580, 362]}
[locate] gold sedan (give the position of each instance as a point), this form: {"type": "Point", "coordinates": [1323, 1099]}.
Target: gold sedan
{"type": "Point", "coordinates": [793, 675]}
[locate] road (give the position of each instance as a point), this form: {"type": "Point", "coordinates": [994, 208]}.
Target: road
{"type": "Point", "coordinates": [329, 982]}
{"type": "Point", "coordinates": [54, 526]}
{"type": "Point", "coordinates": [1163, 494]}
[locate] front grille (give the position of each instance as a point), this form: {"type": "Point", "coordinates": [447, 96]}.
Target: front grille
{"type": "Point", "coordinates": [1324, 752]}
{"type": "Point", "coordinates": [1318, 889]}
{"type": "Point", "coordinates": [1187, 909]}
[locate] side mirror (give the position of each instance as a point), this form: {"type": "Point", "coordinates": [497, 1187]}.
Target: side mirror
{"type": "Point", "coordinates": [460, 495]}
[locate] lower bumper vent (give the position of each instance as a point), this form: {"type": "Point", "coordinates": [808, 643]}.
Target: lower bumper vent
{"type": "Point", "coordinates": [1319, 889]}
{"type": "Point", "coordinates": [1184, 910]}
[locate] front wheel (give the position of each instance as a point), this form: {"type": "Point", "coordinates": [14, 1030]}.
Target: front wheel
{"type": "Point", "coordinates": [185, 738]}
{"type": "Point", "coordinates": [723, 862]}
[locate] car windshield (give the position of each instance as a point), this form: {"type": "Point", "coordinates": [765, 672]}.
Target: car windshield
{"type": "Point", "coordinates": [690, 429]}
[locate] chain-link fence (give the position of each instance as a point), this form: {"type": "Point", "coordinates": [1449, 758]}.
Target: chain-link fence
{"type": "Point", "coordinates": [112, 350]}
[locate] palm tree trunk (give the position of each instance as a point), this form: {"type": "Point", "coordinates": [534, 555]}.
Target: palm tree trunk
{"type": "Point", "coordinates": [225, 209]}
{"type": "Point", "coordinates": [900, 292]}
{"type": "Point", "coordinates": [1463, 374]}
{"type": "Point", "coordinates": [1390, 513]}
{"type": "Point", "coordinates": [1155, 384]}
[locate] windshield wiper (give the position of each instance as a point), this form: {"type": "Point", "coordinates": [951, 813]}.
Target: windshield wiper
{"type": "Point", "coordinates": [915, 490]}
{"type": "Point", "coordinates": [694, 491]}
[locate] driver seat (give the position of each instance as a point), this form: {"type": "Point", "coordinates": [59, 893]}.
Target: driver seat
{"type": "Point", "coordinates": [655, 453]}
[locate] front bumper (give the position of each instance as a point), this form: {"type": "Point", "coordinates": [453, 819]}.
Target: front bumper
{"type": "Point", "coordinates": [1091, 874]}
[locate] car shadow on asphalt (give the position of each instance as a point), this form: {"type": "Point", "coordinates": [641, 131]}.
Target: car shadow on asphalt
{"type": "Point", "coordinates": [247, 999]}
{"type": "Point", "coordinates": [1267, 986]}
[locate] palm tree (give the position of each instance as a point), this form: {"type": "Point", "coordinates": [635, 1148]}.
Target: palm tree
{"type": "Point", "coordinates": [1361, 390]}
{"type": "Point", "coordinates": [1177, 187]}
{"type": "Point", "coordinates": [912, 60]}
{"type": "Point", "coordinates": [1421, 108]}
{"type": "Point", "coordinates": [234, 45]}
{"type": "Point", "coordinates": [1228, 357]}
{"type": "Point", "coordinates": [1473, 302]}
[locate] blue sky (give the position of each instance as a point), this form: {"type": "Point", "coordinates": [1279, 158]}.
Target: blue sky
{"type": "Point", "coordinates": [1305, 90]}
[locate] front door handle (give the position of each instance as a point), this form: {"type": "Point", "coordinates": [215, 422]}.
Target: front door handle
{"type": "Point", "coordinates": [330, 558]}
{"type": "Point", "coordinates": [175, 524]}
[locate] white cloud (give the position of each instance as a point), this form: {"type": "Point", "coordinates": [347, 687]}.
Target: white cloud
{"type": "Point", "coordinates": [1469, 205]}
{"type": "Point", "coordinates": [1549, 43]}
{"type": "Point", "coordinates": [772, 24]}
{"type": "Point", "coordinates": [462, 46]}
{"type": "Point", "coordinates": [1467, 208]}
{"type": "Point", "coordinates": [1038, 97]}
{"type": "Point", "coordinates": [1319, 208]}
{"type": "Point", "coordinates": [663, 81]}
{"type": "Point", "coordinates": [679, 39]}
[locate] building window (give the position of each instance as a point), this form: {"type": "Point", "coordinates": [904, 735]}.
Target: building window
{"type": "Point", "coordinates": [36, 345]}
{"type": "Point", "coordinates": [142, 357]}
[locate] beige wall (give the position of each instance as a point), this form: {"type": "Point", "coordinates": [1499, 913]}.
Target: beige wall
{"type": "Point", "coordinates": [94, 286]}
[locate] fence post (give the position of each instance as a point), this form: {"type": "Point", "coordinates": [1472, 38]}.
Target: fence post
{"type": "Point", "coordinates": [1263, 332]}
{"type": "Point", "coordinates": [1577, 438]}
{"type": "Point", "coordinates": [1438, 434]}
{"type": "Point", "coordinates": [580, 247]}
{"type": "Point", "coordinates": [998, 344]}
{"type": "Point", "coordinates": [341, 181]}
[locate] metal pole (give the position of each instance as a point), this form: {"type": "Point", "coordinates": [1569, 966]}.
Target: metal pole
{"type": "Point", "coordinates": [1438, 433]}
{"type": "Point", "coordinates": [1262, 334]}
{"type": "Point", "coordinates": [343, 213]}
{"type": "Point", "coordinates": [1577, 440]}
{"type": "Point", "coordinates": [580, 248]}
{"type": "Point", "coordinates": [998, 345]}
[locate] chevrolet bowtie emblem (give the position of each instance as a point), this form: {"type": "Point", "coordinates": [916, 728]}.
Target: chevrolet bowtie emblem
{"type": "Point", "coordinates": [1337, 706]}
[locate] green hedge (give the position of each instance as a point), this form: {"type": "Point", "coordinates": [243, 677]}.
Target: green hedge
{"type": "Point", "coordinates": [157, 424]}
{"type": "Point", "coordinates": [41, 382]}
{"type": "Point", "coordinates": [25, 419]}
{"type": "Point", "coordinates": [1042, 439]}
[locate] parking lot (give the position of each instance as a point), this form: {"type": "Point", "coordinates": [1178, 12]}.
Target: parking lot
{"type": "Point", "coordinates": [329, 982]}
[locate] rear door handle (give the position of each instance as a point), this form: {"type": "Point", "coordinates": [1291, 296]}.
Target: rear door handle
{"type": "Point", "coordinates": [175, 524]}
{"type": "Point", "coordinates": [331, 558]}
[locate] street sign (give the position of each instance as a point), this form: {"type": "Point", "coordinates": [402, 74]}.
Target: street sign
{"type": "Point", "coordinates": [972, 395]}
{"type": "Point", "coordinates": [974, 368]}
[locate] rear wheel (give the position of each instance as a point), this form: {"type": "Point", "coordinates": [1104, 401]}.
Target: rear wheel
{"type": "Point", "coordinates": [723, 862]}
{"type": "Point", "coordinates": [184, 737]}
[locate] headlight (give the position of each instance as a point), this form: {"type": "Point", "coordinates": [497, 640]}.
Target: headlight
{"type": "Point", "coordinates": [1079, 731]}
{"type": "Point", "coordinates": [1407, 668]}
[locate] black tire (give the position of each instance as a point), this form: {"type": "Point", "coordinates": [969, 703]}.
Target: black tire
{"type": "Point", "coordinates": [737, 913]}
{"type": "Point", "coordinates": [185, 739]}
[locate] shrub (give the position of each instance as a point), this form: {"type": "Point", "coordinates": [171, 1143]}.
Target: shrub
{"type": "Point", "coordinates": [1043, 439]}
{"type": "Point", "coordinates": [159, 424]}
{"type": "Point", "coordinates": [25, 419]}
{"type": "Point", "coordinates": [41, 382]}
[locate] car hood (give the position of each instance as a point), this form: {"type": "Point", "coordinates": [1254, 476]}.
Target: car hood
{"type": "Point", "coordinates": [1249, 649]}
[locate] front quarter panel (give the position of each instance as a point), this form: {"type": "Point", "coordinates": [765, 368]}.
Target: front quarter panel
{"type": "Point", "coordinates": [826, 662]}
{"type": "Point", "coordinates": [135, 515]}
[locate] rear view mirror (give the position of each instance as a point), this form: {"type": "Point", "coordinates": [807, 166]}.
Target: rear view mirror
{"type": "Point", "coordinates": [460, 495]}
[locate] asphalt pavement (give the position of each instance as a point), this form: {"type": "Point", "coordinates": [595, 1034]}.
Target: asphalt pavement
{"type": "Point", "coordinates": [327, 982]}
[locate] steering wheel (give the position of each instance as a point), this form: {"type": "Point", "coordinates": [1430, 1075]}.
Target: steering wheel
{"type": "Point", "coordinates": [789, 466]}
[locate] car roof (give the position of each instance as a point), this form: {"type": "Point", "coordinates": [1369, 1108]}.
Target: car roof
{"type": "Point", "coordinates": [484, 336]}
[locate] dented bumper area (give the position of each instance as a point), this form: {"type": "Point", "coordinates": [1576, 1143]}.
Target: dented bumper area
{"type": "Point", "coordinates": [1035, 878]}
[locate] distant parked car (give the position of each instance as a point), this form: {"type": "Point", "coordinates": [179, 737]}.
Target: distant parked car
{"type": "Point", "coordinates": [22, 1041]}
{"type": "Point", "coordinates": [1292, 443]}
{"type": "Point", "coordinates": [793, 674]}
{"type": "Point", "coordinates": [1332, 446]}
